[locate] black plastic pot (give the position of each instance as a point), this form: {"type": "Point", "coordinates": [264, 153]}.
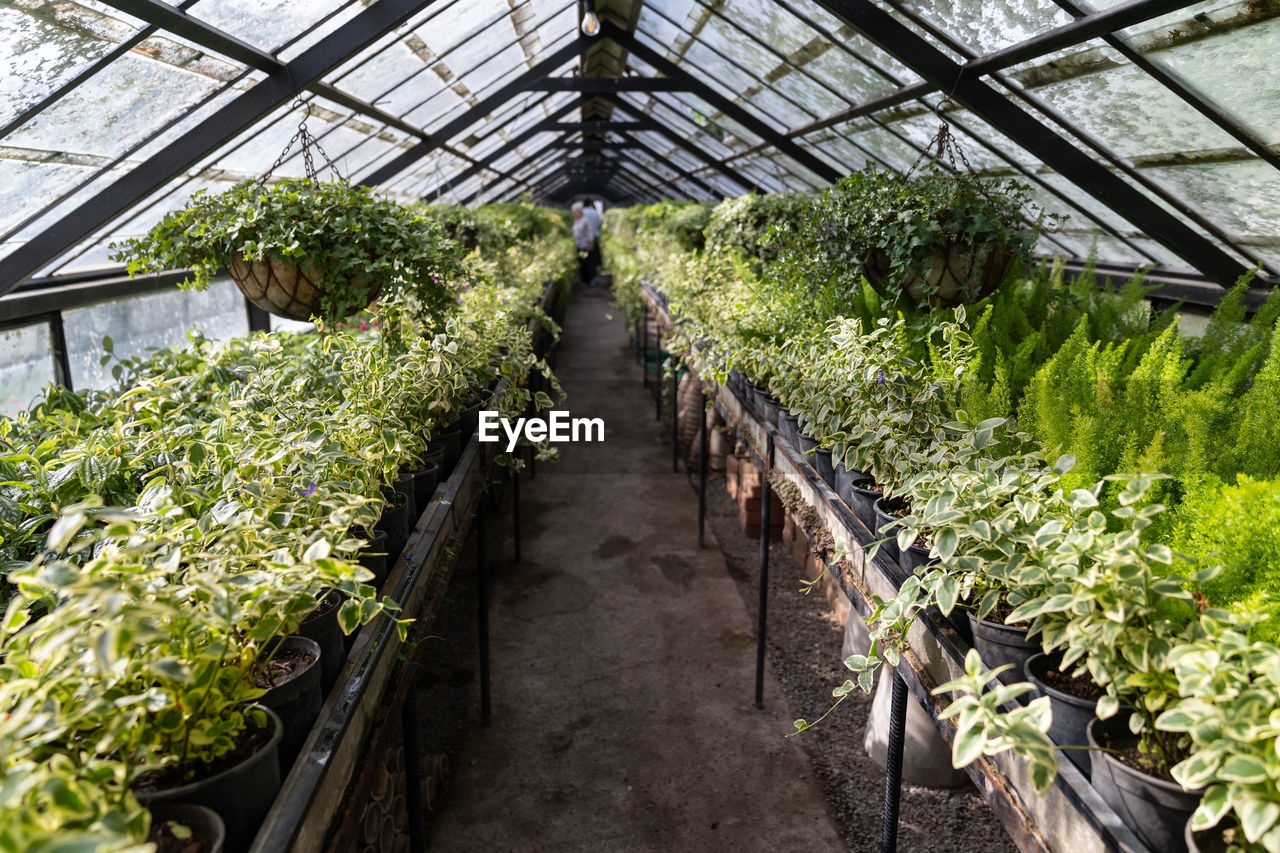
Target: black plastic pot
{"type": "Point", "coordinates": [789, 426]}
{"type": "Point", "coordinates": [1071, 714]}
{"type": "Point", "coordinates": [395, 523]}
{"type": "Point", "coordinates": [805, 443]}
{"type": "Point", "coordinates": [468, 421]}
{"type": "Point", "coordinates": [241, 795]}
{"type": "Point", "coordinates": [846, 477]}
{"type": "Point", "coordinates": [374, 557]}
{"type": "Point", "coordinates": [883, 517]}
{"type": "Point", "coordinates": [451, 441]}
{"type": "Point", "coordinates": [862, 500]}
{"type": "Point", "coordinates": [406, 488]}
{"type": "Point", "coordinates": [770, 408]}
{"type": "Point", "coordinates": [912, 558]}
{"type": "Point", "coordinates": [323, 629]}
{"type": "Point", "coordinates": [297, 701]}
{"type": "Point", "coordinates": [425, 480]}
{"type": "Point", "coordinates": [1001, 644]}
{"type": "Point", "coordinates": [204, 823]}
{"type": "Point", "coordinates": [822, 464]}
{"type": "Point", "coordinates": [1155, 809]}
{"type": "Point", "coordinates": [755, 394]}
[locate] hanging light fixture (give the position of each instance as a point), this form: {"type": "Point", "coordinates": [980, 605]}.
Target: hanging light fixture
{"type": "Point", "coordinates": [590, 23]}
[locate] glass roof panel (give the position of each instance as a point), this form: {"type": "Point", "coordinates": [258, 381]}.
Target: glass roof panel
{"type": "Point", "coordinates": [115, 109]}
{"type": "Point", "coordinates": [1226, 70]}
{"type": "Point", "coordinates": [46, 44]}
{"type": "Point", "coordinates": [985, 26]}
{"type": "Point", "coordinates": [264, 23]}
{"type": "Point", "coordinates": [1103, 105]}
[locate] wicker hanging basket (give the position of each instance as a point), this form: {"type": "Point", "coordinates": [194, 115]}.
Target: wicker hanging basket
{"type": "Point", "coordinates": [955, 274]}
{"type": "Point", "coordinates": [285, 288]}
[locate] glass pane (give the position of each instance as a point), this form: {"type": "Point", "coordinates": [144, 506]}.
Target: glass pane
{"type": "Point", "coordinates": [1243, 199]}
{"type": "Point", "coordinates": [1228, 68]}
{"type": "Point", "coordinates": [45, 45]}
{"type": "Point", "coordinates": [155, 320]}
{"type": "Point", "coordinates": [1131, 113]}
{"type": "Point", "coordinates": [264, 23]}
{"type": "Point", "coordinates": [115, 109]}
{"type": "Point", "coordinates": [985, 26]}
{"type": "Point", "coordinates": [26, 366]}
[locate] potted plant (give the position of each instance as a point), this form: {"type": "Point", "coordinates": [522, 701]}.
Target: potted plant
{"type": "Point", "coordinates": [1229, 690]}
{"type": "Point", "coordinates": [300, 248]}
{"type": "Point", "coordinates": [939, 239]}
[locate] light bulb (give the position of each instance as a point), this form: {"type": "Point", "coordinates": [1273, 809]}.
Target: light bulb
{"type": "Point", "coordinates": [590, 24]}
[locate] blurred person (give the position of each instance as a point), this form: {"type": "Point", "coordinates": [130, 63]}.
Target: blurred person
{"type": "Point", "coordinates": [584, 236]}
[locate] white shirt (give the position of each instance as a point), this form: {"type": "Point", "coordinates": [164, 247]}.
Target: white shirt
{"type": "Point", "coordinates": [597, 221]}
{"type": "Point", "coordinates": [584, 233]}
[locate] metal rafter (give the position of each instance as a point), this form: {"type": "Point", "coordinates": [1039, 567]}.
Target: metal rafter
{"type": "Point", "coordinates": [722, 103]}
{"type": "Point", "coordinates": [474, 113]}
{"type": "Point", "coordinates": [595, 85]}
{"type": "Point", "coordinates": [688, 146]}
{"type": "Point", "coordinates": [548, 123]}
{"type": "Point", "coordinates": [203, 139]}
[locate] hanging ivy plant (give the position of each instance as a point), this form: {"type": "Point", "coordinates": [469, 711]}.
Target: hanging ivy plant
{"type": "Point", "coordinates": [940, 239]}
{"type": "Point", "coordinates": [299, 248]}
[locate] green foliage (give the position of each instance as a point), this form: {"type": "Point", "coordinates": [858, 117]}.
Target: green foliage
{"type": "Point", "coordinates": [1231, 688]}
{"type": "Point", "coordinates": [161, 536]}
{"type": "Point", "coordinates": [1237, 528]}
{"type": "Point", "coordinates": [754, 225]}
{"type": "Point", "coordinates": [348, 238]}
{"type": "Point", "coordinates": [879, 219]}
{"type": "Point", "coordinates": [495, 228]}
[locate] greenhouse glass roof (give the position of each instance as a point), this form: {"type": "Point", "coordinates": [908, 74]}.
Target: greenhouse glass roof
{"type": "Point", "coordinates": [1154, 125]}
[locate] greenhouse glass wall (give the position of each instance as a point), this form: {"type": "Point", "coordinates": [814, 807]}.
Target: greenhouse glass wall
{"type": "Point", "coordinates": [639, 425]}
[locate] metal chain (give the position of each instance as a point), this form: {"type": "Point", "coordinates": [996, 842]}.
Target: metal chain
{"type": "Point", "coordinates": [309, 142]}
{"type": "Point", "coordinates": [947, 146]}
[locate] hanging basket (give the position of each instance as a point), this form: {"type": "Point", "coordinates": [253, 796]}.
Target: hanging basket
{"type": "Point", "coordinates": [287, 289]}
{"type": "Point", "coordinates": [953, 275]}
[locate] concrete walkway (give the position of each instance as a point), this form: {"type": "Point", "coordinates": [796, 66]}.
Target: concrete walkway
{"type": "Point", "coordinates": [623, 658]}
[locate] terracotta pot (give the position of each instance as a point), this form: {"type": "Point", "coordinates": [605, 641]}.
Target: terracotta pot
{"type": "Point", "coordinates": [285, 288]}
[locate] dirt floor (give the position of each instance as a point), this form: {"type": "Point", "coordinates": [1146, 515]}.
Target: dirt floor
{"type": "Point", "coordinates": [624, 661]}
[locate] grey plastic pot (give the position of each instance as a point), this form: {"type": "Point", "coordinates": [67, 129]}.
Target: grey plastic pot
{"type": "Point", "coordinates": [1156, 810]}
{"type": "Point", "coordinates": [1071, 714]}
{"type": "Point", "coordinates": [846, 477]}
{"type": "Point", "coordinates": [822, 463]}
{"type": "Point", "coordinates": [1001, 644]}
{"type": "Point", "coordinates": [297, 701]}
{"type": "Point", "coordinates": [241, 795]}
{"type": "Point", "coordinates": [770, 409]}
{"type": "Point", "coordinates": [805, 443]}
{"type": "Point", "coordinates": [204, 823]}
{"type": "Point", "coordinates": [912, 558]}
